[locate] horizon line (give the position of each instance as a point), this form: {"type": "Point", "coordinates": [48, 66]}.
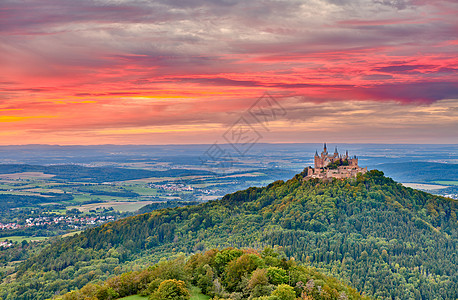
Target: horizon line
{"type": "Point", "coordinates": [226, 144]}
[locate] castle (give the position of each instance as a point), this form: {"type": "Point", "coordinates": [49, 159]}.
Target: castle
{"type": "Point", "coordinates": [328, 166]}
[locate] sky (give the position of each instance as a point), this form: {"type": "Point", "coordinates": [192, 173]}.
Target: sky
{"type": "Point", "coordinates": [192, 71]}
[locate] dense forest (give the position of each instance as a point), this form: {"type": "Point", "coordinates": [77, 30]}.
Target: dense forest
{"type": "Point", "coordinates": [167, 204]}
{"type": "Point", "coordinates": [227, 274]}
{"type": "Point", "coordinates": [76, 173]}
{"type": "Point", "coordinates": [386, 240]}
{"type": "Point", "coordinates": [12, 201]}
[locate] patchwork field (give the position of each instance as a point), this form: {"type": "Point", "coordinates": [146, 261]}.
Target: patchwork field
{"type": "Point", "coordinates": [26, 175]}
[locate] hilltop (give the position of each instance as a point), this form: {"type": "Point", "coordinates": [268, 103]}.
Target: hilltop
{"type": "Point", "coordinates": [382, 238]}
{"type": "Point", "coordinates": [230, 274]}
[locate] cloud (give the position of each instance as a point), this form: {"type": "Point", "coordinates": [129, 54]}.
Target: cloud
{"type": "Point", "coordinates": [377, 77]}
{"type": "Point", "coordinates": [350, 121]}
{"type": "Point", "coordinates": [426, 92]}
{"type": "Point", "coordinates": [401, 68]}
{"type": "Point", "coordinates": [96, 63]}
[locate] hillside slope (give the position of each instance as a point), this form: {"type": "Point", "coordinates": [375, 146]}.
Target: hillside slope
{"type": "Point", "coordinates": [384, 239]}
{"type": "Point", "coordinates": [230, 274]}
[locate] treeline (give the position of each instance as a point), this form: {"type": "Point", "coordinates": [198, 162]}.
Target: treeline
{"type": "Point", "coordinates": [166, 204]}
{"type": "Point", "coordinates": [112, 191]}
{"type": "Point", "coordinates": [77, 173]}
{"type": "Point", "coordinates": [230, 274]}
{"type": "Point", "coordinates": [387, 240]}
{"type": "Point", "coordinates": [9, 201]}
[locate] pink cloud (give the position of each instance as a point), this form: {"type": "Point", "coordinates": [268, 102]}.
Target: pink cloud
{"type": "Point", "coordinates": [173, 63]}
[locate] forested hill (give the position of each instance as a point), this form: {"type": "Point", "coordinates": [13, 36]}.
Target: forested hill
{"type": "Point", "coordinates": [227, 274]}
{"type": "Point", "coordinates": [384, 239]}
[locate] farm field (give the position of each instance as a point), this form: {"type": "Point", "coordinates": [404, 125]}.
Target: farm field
{"type": "Point", "coordinates": [447, 182]}
{"type": "Point", "coordinates": [19, 239]}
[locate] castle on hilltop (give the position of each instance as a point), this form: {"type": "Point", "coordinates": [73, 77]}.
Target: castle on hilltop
{"type": "Point", "coordinates": [329, 165]}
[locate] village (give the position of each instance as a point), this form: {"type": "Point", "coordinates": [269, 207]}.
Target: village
{"type": "Point", "coordinates": [71, 221]}
{"type": "Point", "coordinates": [5, 244]}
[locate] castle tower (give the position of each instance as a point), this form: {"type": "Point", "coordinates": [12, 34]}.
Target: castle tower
{"type": "Point", "coordinates": [318, 161]}
{"type": "Point", "coordinates": [324, 154]}
{"type": "Point", "coordinates": [353, 161]}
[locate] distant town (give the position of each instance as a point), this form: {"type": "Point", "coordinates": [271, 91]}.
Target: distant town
{"type": "Point", "coordinates": [5, 244]}
{"type": "Point", "coordinates": [72, 221]}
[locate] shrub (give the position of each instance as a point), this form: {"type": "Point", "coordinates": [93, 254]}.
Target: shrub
{"type": "Point", "coordinates": [284, 292]}
{"type": "Point", "coordinates": [171, 289]}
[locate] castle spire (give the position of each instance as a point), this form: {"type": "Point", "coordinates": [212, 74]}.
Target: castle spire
{"type": "Point", "coordinates": [325, 149]}
{"type": "Point", "coordinates": [335, 151]}
{"type": "Point", "coordinates": [316, 152]}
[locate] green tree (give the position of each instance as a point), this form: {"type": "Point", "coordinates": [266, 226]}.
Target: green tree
{"type": "Point", "coordinates": [107, 293]}
{"type": "Point", "coordinates": [242, 266]}
{"type": "Point", "coordinates": [284, 292]}
{"type": "Point", "coordinates": [277, 275]}
{"type": "Point", "coordinates": [224, 257]}
{"type": "Point", "coordinates": [171, 289]}
{"type": "Point", "coordinates": [258, 285]}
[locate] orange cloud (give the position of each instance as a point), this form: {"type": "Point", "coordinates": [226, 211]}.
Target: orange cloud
{"type": "Point", "coordinates": [123, 72]}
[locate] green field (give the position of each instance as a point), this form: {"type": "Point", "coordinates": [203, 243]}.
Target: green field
{"type": "Point", "coordinates": [83, 197]}
{"type": "Point", "coordinates": [71, 233]}
{"type": "Point", "coordinates": [142, 190]}
{"type": "Point", "coordinates": [22, 238]}
{"type": "Point", "coordinates": [195, 295]}
{"type": "Point", "coordinates": [447, 182]}
{"type": "Point", "coordinates": [24, 193]}
{"type": "Point", "coordinates": [134, 297]}
{"type": "Point", "coordinates": [131, 207]}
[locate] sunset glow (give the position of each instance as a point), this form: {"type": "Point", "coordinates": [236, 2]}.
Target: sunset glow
{"type": "Point", "coordinates": [161, 72]}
